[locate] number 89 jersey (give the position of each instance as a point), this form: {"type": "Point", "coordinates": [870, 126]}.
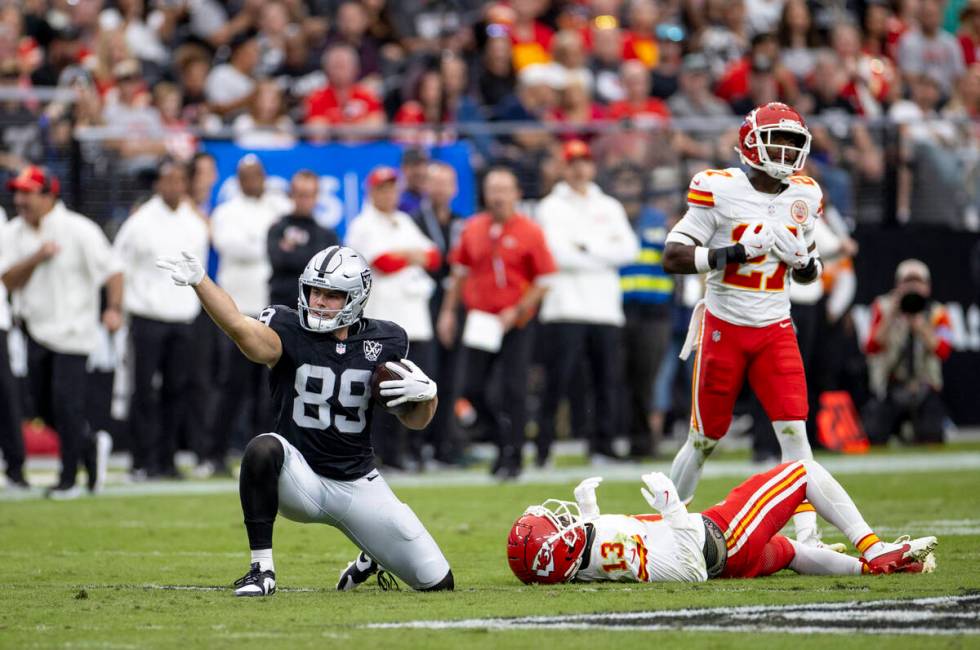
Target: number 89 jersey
{"type": "Point", "coordinates": [321, 389]}
{"type": "Point", "coordinates": [722, 204]}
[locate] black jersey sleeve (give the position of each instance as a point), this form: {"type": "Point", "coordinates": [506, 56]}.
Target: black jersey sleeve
{"type": "Point", "coordinates": [284, 322]}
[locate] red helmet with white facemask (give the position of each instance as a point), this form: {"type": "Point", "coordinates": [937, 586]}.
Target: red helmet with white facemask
{"type": "Point", "coordinates": [755, 146]}
{"type": "Point", "coordinates": [547, 543]}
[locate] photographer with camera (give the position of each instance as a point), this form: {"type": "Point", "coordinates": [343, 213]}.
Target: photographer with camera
{"type": "Point", "coordinates": [908, 341]}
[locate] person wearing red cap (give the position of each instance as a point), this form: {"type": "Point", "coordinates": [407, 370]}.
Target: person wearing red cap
{"type": "Point", "coordinates": [399, 254]}
{"type": "Point", "coordinates": [55, 262]}
{"type": "Point", "coordinates": [500, 270]}
{"type": "Point", "coordinates": [590, 237]}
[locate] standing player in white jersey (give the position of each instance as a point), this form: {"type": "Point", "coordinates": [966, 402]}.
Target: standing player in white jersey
{"type": "Point", "coordinates": [318, 464]}
{"type": "Point", "coordinates": [560, 541]}
{"type": "Point", "coordinates": [748, 232]}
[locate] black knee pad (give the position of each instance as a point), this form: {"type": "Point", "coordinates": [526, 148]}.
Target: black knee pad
{"type": "Point", "coordinates": [264, 452]}
{"type": "Point", "coordinates": [446, 584]}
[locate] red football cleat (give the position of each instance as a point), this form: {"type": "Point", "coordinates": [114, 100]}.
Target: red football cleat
{"type": "Point", "coordinates": [908, 556]}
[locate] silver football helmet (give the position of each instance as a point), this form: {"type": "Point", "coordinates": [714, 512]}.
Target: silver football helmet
{"type": "Point", "coordinates": [341, 269]}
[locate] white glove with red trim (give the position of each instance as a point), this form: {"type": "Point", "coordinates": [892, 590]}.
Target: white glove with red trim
{"type": "Point", "coordinates": [757, 239]}
{"type": "Point", "coordinates": [660, 492]}
{"type": "Point", "coordinates": [791, 248]}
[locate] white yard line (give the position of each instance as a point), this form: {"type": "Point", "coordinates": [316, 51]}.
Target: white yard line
{"type": "Point", "coordinates": [900, 617]}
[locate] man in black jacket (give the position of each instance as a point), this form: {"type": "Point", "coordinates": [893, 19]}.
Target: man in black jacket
{"type": "Point", "coordinates": [295, 238]}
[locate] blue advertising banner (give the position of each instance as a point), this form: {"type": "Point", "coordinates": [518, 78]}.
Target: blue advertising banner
{"type": "Point", "coordinates": [342, 170]}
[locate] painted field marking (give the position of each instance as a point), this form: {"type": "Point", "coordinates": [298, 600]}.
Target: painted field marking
{"type": "Point", "coordinates": [944, 615]}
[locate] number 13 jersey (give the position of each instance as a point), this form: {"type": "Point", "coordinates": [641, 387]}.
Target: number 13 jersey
{"type": "Point", "coordinates": [321, 390]}
{"type": "Point", "coordinates": [722, 204]}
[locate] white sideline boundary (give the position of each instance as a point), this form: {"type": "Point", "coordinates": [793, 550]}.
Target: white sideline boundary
{"type": "Point", "coordinates": [874, 617]}
{"type": "Point", "coordinates": [837, 465]}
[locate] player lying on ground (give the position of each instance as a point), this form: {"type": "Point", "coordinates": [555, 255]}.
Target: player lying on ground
{"type": "Point", "coordinates": [560, 541]}
{"type": "Point", "coordinates": [751, 233]}
{"type": "Point", "coordinates": [318, 465]}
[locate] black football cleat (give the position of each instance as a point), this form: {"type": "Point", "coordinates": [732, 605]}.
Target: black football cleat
{"type": "Point", "coordinates": [256, 582]}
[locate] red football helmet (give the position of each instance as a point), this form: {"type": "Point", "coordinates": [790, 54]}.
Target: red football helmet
{"type": "Point", "coordinates": [547, 543]}
{"type": "Point", "coordinates": [754, 140]}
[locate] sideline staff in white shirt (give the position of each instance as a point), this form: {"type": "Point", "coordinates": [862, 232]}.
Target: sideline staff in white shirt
{"type": "Point", "coordinates": [161, 318]}
{"type": "Point", "coordinates": [590, 237]}
{"type": "Point", "coordinates": [399, 255]}
{"type": "Point", "coordinates": [11, 439]}
{"type": "Point", "coordinates": [240, 233]}
{"type": "Point", "coordinates": [55, 261]}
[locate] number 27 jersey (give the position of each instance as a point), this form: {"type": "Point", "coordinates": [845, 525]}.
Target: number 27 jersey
{"type": "Point", "coordinates": [321, 390]}
{"type": "Point", "coordinates": [722, 204]}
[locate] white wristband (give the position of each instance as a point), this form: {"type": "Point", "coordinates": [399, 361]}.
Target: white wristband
{"type": "Point", "coordinates": [701, 259]}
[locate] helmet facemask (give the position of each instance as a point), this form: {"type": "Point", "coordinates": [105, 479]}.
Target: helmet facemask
{"type": "Point", "coordinates": [780, 166]}
{"type": "Point", "coordinates": [569, 530]}
{"type": "Point", "coordinates": [323, 320]}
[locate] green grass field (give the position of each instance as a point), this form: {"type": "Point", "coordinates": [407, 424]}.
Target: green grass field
{"type": "Point", "coordinates": [155, 571]}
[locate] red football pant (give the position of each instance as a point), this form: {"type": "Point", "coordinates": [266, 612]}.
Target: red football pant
{"type": "Point", "coordinates": [751, 516]}
{"type": "Point", "coordinates": [769, 355]}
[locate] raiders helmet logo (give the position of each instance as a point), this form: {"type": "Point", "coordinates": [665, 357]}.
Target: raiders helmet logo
{"type": "Point", "coordinates": [372, 350]}
{"type": "Point", "coordinates": [799, 211]}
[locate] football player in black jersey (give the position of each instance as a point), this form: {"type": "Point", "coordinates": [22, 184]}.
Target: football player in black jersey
{"type": "Point", "coordinates": [318, 465]}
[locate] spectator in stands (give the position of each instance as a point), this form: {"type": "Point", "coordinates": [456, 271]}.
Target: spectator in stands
{"type": "Point", "coordinates": [694, 97]}
{"type": "Point", "coordinates": [441, 224]}
{"type": "Point", "coordinates": [725, 41]}
{"type": "Point", "coordinates": [670, 46]}
{"type": "Point", "coordinates": [639, 40]}
{"type": "Point", "coordinates": [762, 87]}
{"type": "Point", "coordinates": [63, 50]}
{"type": "Point", "coordinates": [969, 32]}
{"type": "Point", "coordinates": [908, 342]}
{"type": "Point", "coordinates": [497, 80]}
{"type": "Point", "coordinates": [763, 54]}
{"type": "Point", "coordinates": [178, 140]}
{"type": "Point", "coordinates": [576, 113]}
{"type": "Point", "coordinates": [161, 320]}
{"type": "Point", "coordinates": [647, 296]}
{"type": "Point", "coordinates": [239, 234]}
{"type": "Point", "coordinates": [192, 65]}
{"type": "Point", "coordinates": [926, 49]}
{"type": "Point", "coordinates": [265, 125]}
{"type": "Point", "coordinates": [295, 238]}
{"type": "Point", "coordinates": [399, 255]}
{"type": "Point", "coordinates": [145, 31]}
{"type": "Point", "coordinates": [931, 168]}
{"type": "Point", "coordinates": [530, 37]}
{"type": "Point", "coordinates": [415, 171]}
{"type": "Point", "coordinates": [343, 101]}
{"type": "Point", "coordinates": [229, 86]}
{"type": "Point", "coordinates": [351, 28]}
{"type": "Point", "coordinates": [637, 105]}
{"type": "Point", "coordinates": [588, 233]}
{"type": "Point", "coordinates": [569, 51]}
{"type": "Point", "coordinates": [499, 270]}
{"type": "Point", "coordinates": [50, 253]}
{"type": "Point", "coordinates": [428, 107]}
{"type": "Point", "coordinates": [11, 436]}
{"type": "Point", "coordinates": [875, 33]}
{"type": "Point", "coordinates": [606, 59]}
{"type": "Point", "coordinates": [136, 123]}
{"type": "Point", "coordinates": [871, 82]}
{"type": "Point", "coordinates": [274, 29]}
{"type": "Point", "coordinates": [798, 39]}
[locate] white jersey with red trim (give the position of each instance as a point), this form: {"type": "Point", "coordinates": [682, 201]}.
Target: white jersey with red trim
{"type": "Point", "coordinates": [722, 203]}
{"type": "Point", "coordinates": [646, 548]}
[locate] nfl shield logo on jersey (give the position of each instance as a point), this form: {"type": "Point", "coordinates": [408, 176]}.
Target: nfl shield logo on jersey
{"type": "Point", "coordinates": [341, 348]}
{"type": "Point", "coordinates": [372, 350]}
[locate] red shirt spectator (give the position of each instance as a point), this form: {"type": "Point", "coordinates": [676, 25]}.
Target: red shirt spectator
{"type": "Point", "coordinates": [343, 101]}
{"type": "Point", "coordinates": [355, 105]}
{"type": "Point", "coordinates": [503, 260]}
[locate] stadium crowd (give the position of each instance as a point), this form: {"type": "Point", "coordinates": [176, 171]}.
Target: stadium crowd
{"type": "Point", "coordinates": [601, 105]}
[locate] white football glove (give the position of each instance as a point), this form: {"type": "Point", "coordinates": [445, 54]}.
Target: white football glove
{"type": "Point", "coordinates": [413, 386]}
{"type": "Point", "coordinates": [757, 239]}
{"type": "Point", "coordinates": [660, 492]}
{"type": "Point", "coordinates": [791, 248]}
{"type": "Point", "coordinates": [586, 499]}
{"type": "Point", "coordinates": [185, 271]}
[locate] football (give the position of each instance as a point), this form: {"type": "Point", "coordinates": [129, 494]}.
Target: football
{"type": "Point", "coordinates": [383, 373]}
